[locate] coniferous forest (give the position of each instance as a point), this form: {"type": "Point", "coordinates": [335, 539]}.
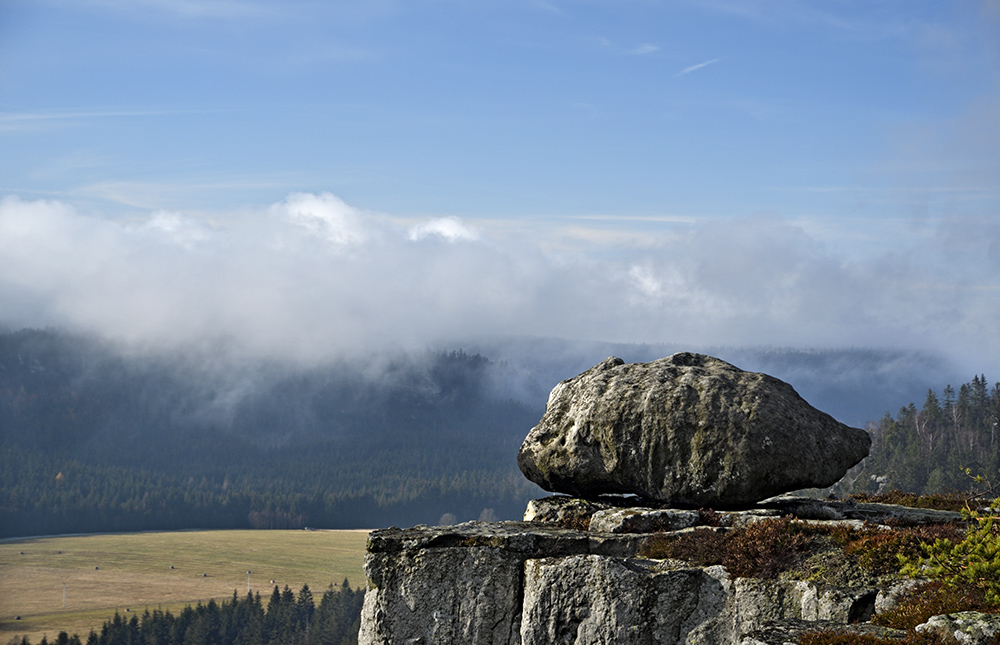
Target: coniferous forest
{"type": "Point", "coordinates": [929, 449]}
{"type": "Point", "coordinates": [287, 618]}
{"type": "Point", "coordinates": [93, 439]}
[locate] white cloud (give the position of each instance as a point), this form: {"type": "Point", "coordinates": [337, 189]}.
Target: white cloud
{"type": "Point", "coordinates": [646, 283]}
{"type": "Point", "coordinates": [184, 231]}
{"type": "Point", "coordinates": [312, 276]}
{"type": "Point", "coordinates": [450, 228]}
{"type": "Point", "coordinates": [326, 216]}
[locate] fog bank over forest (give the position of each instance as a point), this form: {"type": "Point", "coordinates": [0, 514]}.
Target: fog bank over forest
{"type": "Point", "coordinates": [312, 279]}
{"type": "Point", "coordinates": [93, 438]}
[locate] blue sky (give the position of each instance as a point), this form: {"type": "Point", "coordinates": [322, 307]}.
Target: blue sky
{"type": "Point", "coordinates": [712, 172]}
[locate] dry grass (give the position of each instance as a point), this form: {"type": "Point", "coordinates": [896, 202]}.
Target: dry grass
{"type": "Point", "coordinates": [109, 572]}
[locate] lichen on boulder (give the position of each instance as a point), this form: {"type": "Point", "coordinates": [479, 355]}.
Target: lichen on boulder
{"type": "Point", "coordinates": [689, 430]}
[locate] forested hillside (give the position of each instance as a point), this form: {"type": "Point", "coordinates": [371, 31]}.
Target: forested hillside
{"type": "Point", "coordinates": [927, 450]}
{"type": "Point", "coordinates": [93, 441]}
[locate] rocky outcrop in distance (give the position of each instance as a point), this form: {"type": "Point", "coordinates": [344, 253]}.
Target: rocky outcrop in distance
{"type": "Point", "coordinates": [688, 430]}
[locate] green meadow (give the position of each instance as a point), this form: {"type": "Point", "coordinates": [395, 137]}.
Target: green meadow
{"type": "Point", "coordinates": [75, 583]}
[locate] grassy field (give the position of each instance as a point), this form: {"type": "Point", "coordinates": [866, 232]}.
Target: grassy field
{"type": "Point", "coordinates": [129, 572]}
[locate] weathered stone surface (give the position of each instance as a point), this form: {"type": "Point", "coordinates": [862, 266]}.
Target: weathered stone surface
{"type": "Point", "coordinates": [463, 583]}
{"type": "Point", "coordinates": [900, 515]}
{"type": "Point", "coordinates": [889, 597]}
{"type": "Point", "coordinates": [741, 519]}
{"type": "Point", "coordinates": [521, 539]}
{"type": "Point", "coordinates": [808, 508]}
{"type": "Point", "coordinates": [788, 632]}
{"type": "Point", "coordinates": [575, 512]}
{"type": "Point", "coordinates": [584, 600]}
{"type": "Point", "coordinates": [511, 582]}
{"type": "Point", "coordinates": [572, 512]}
{"type": "Point", "coordinates": [620, 545]}
{"type": "Point", "coordinates": [442, 595]}
{"type": "Point", "coordinates": [967, 627]}
{"type": "Point", "coordinates": [531, 582]}
{"type": "Point", "coordinates": [688, 429]}
{"type": "Point", "coordinates": [758, 603]}
{"type": "Point", "coordinates": [642, 520]}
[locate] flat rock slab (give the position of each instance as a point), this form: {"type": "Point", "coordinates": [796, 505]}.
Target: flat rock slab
{"type": "Point", "coordinates": [788, 632]}
{"type": "Point", "coordinates": [689, 430]}
{"type": "Point", "coordinates": [618, 514]}
{"type": "Point", "coordinates": [520, 540]}
{"type": "Point", "coordinates": [807, 508]}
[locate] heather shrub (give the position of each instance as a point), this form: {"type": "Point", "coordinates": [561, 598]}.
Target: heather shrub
{"type": "Point", "coordinates": [702, 548]}
{"type": "Point", "coordinates": [765, 549]}
{"type": "Point", "coordinates": [952, 501]}
{"type": "Point", "coordinates": [708, 517]}
{"type": "Point", "coordinates": [879, 551]}
{"type": "Point", "coordinates": [933, 599]}
{"type": "Point", "coordinates": [761, 550]}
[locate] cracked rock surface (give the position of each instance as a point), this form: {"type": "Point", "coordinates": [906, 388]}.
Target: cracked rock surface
{"type": "Point", "coordinates": [548, 581]}
{"type": "Point", "coordinates": [689, 430]}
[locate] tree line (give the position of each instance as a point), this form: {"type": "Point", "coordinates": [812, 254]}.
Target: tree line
{"type": "Point", "coordinates": [288, 619]}
{"type": "Point", "coordinates": [45, 494]}
{"type": "Point", "coordinates": [928, 449]}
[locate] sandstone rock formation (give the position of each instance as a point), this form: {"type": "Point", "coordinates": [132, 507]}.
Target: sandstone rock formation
{"type": "Point", "coordinates": [689, 430]}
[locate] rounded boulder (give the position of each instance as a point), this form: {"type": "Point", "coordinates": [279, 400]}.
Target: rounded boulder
{"type": "Point", "coordinates": [688, 430]}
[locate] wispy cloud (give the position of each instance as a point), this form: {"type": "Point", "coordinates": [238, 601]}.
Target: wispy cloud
{"type": "Point", "coordinates": [21, 121]}
{"type": "Point", "coordinates": [666, 219]}
{"type": "Point", "coordinates": [186, 8]}
{"type": "Point", "coordinates": [644, 49]}
{"type": "Point", "coordinates": [693, 68]}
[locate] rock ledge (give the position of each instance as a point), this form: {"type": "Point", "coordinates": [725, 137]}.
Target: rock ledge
{"type": "Point", "coordinates": [534, 582]}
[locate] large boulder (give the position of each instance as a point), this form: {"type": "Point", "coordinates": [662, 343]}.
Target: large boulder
{"type": "Point", "coordinates": [688, 429]}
